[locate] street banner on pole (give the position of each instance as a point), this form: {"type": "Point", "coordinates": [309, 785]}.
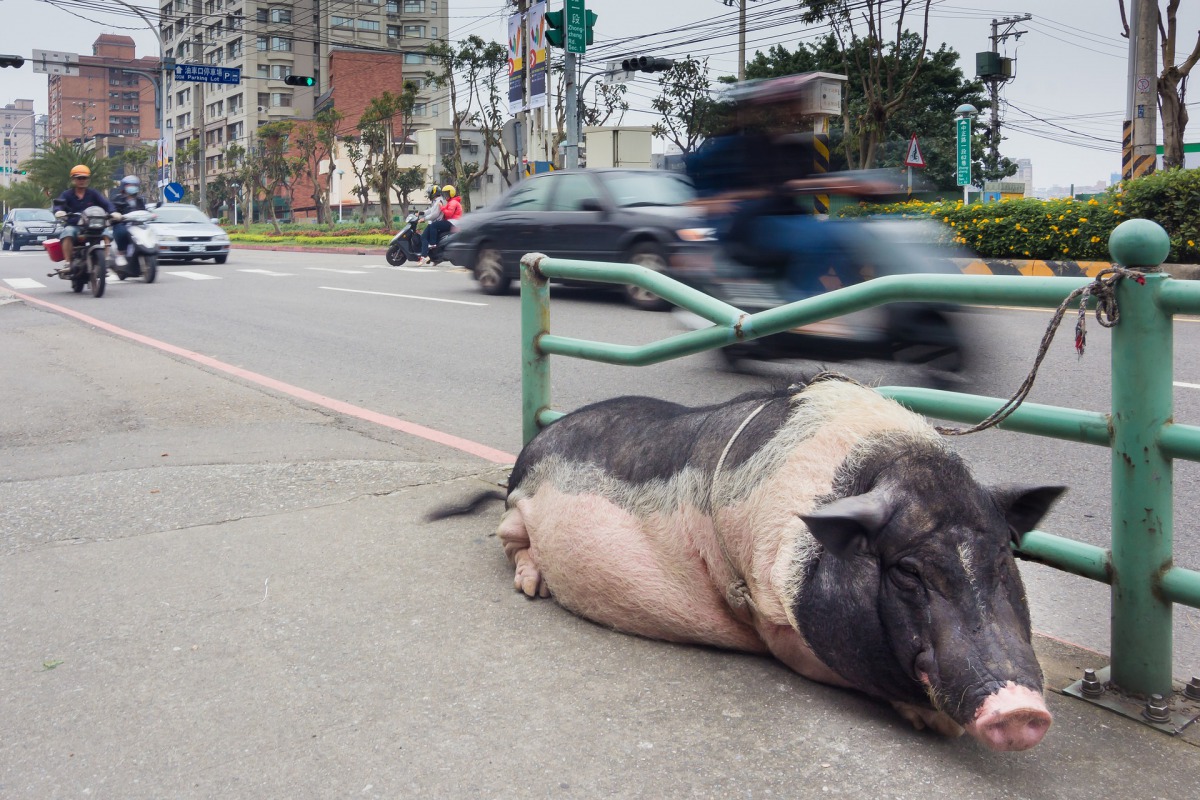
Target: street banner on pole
{"type": "Point", "coordinates": [963, 129]}
{"type": "Point", "coordinates": [516, 65]}
{"type": "Point", "coordinates": [536, 47]}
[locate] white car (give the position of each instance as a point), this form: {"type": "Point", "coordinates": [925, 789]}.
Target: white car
{"type": "Point", "coordinates": [185, 234]}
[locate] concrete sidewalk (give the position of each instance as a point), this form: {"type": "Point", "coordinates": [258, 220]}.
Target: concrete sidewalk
{"type": "Point", "coordinates": [213, 591]}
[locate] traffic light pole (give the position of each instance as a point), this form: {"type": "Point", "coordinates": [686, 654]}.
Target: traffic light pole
{"type": "Point", "coordinates": [571, 146]}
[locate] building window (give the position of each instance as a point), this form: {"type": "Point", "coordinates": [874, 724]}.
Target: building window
{"type": "Point", "coordinates": [279, 15]}
{"type": "Point", "coordinates": [261, 43]}
{"type": "Point", "coordinates": [281, 43]}
{"type": "Point", "coordinates": [234, 49]}
{"type": "Point", "coordinates": [214, 57]}
{"type": "Point", "coordinates": [393, 6]}
{"type": "Point", "coordinates": [414, 6]}
{"type": "Point", "coordinates": [418, 109]}
{"type": "Point", "coordinates": [236, 104]}
{"type": "Point", "coordinates": [281, 99]}
{"type": "Point", "coordinates": [264, 99]}
{"type": "Point", "coordinates": [280, 71]}
{"type": "Point", "coordinates": [341, 22]}
{"type": "Point", "coordinates": [414, 31]}
{"type": "Point", "coordinates": [368, 25]}
{"type": "Point", "coordinates": [264, 70]}
{"type": "Point", "coordinates": [414, 58]}
{"type": "Point", "coordinates": [393, 31]}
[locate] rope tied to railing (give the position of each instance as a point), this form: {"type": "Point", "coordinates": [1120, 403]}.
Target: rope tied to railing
{"type": "Point", "coordinates": [1103, 287]}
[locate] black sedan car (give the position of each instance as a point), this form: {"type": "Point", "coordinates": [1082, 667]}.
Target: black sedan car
{"type": "Point", "coordinates": [623, 215]}
{"type": "Point", "coordinates": [25, 226]}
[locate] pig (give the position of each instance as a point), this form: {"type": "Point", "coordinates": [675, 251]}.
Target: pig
{"type": "Point", "coordinates": [821, 523]}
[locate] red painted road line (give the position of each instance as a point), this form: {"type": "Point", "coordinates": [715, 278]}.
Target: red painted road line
{"type": "Point", "coordinates": [341, 407]}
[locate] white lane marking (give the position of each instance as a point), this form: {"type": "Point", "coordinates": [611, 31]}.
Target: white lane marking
{"type": "Point", "coordinates": [1182, 385]}
{"type": "Point", "coordinates": [269, 272]}
{"type": "Point", "coordinates": [194, 276]}
{"type": "Point", "coordinates": [331, 269]}
{"type": "Point", "coordinates": [24, 283]}
{"type": "Point", "coordinates": [406, 296]}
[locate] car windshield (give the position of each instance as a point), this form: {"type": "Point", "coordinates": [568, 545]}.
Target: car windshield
{"type": "Point", "coordinates": [32, 215]}
{"type": "Point", "coordinates": [630, 189]}
{"type": "Point", "coordinates": [169, 213]}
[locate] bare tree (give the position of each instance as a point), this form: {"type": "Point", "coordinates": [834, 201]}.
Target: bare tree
{"type": "Point", "coordinates": [467, 72]}
{"type": "Point", "coordinates": [885, 79]}
{"type": "Point", "coordinates": [1172, 82]}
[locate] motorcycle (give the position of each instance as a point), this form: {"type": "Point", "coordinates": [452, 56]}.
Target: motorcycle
{"type": "Point", "coordinates": [920, 333]}
{"type": "Point", "coordinates": [406, 245]}
{"type": "Point", "coordinates": [143, 250]}
{"type": "Point", "coordinates": [89, 262]}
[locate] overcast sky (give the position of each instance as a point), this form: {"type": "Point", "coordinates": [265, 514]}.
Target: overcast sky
{"type": "Point", "coordinates": [1063, 110]}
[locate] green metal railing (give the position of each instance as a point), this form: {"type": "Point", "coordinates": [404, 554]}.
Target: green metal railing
{"type": "Point", "coordinates": [1139, 430]}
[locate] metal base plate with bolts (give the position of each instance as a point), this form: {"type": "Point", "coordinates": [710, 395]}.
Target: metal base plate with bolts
{"type": "Point", "coordinates": [1182, 707]}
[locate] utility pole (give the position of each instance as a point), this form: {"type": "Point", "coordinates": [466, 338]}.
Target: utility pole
{"type": "Point", "coordinates": [198, 110]}
{"type": "Point", "coordinates": [1141, 124]}
{"type": "Point", "coordinates": [998, 72]}
{"type": "Point", "coordinates": [741, 4]}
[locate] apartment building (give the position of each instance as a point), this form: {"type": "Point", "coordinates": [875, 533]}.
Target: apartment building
{"type": "Point", "coordinates": [19, 126]}
{"type": "Point", "coordinates": [105, 97]}
{"type": "Point", "coordinates": [352, 50]}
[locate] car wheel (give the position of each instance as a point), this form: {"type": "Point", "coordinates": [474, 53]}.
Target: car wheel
{"type": "Point", "coordinates": [221, 259]}
{"type": "Point", "coordinates": [489, 271]}
{"type": "Point", "coordinates": [14, 246]}
{"type": "Point", "coordinates": [650, 256]}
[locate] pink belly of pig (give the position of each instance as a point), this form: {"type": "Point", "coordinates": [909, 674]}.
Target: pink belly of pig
{"type": "Point", "coordinates": [639, 575]}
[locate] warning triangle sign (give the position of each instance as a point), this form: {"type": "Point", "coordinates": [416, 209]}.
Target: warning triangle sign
{"type": "Point", "coordinates": [914, 157]}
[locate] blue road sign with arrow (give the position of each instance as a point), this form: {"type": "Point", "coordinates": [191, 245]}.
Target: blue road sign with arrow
{"type": "Point", "coordinates": [173, 192]}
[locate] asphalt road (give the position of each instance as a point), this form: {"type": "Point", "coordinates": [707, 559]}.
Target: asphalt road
{"type": "Point", "coordinates": [423, 345]}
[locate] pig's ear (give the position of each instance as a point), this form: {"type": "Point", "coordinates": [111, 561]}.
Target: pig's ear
{"type": "Point", "coordinates": [844, 525]}
{"type": "Point", "coordinates": [1024, 506]}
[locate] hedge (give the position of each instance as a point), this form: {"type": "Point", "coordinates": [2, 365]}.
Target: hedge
{"type": "Point", "coordinates": [373, 240]}
{"type": "Point", "coordinates": [1066, 229]}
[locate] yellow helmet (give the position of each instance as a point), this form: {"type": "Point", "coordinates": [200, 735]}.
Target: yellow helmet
{"type": "Point", "coordinates": [449, 189]}
{"type": "Point", "coordinates": [81, 169]}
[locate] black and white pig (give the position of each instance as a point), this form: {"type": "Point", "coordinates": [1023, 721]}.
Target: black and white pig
{"type": "Point", "coordinates": [825, 524]}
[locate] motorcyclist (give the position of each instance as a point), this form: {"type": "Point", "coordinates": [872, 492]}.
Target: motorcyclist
{"type": "Point", "coordinates": [130, 199]}
{"type": "Point", "coordinates": [435, 213]}
{"type": "Point", "coordinates": [451, 209]}
{"type": "Point", "coordinates": [74, 200]}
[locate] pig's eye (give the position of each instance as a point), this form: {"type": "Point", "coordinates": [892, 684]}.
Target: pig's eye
{"type": "Point", "coordinates": [906, 573]}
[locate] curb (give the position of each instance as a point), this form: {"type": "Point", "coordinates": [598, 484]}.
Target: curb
{"type": "Point", "coordinates": [969, 266]}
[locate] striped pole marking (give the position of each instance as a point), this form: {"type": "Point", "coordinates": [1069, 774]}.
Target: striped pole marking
{"type": "Point", "coordinates": [1126, 149]}
{"type": "Point", "coordinates": [820, 167]}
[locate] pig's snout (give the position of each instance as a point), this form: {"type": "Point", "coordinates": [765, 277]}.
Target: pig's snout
{"type": "Point", "coordinates": [1014, 718]}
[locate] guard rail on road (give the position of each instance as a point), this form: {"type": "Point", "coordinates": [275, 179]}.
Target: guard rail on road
{"type": "Point", "coordinates": [1140, 429]}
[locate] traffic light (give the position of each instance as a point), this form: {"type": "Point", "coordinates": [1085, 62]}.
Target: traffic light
{"type": "Point", "coordinates": [646, 64]}
{"type": "Point", "coordinates": [299, 80]}
{"type": "Point", "coordinates": [556, 28]}
{"type": "Point", "coordinates": [11, 61]}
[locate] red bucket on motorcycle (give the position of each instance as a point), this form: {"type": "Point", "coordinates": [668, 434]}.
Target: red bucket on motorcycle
{"type": "Point", "coordinates": [53, 249]}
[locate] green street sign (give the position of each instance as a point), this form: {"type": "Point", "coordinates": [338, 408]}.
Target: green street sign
{"type": "Point", "coordinates": [576, 26]}
{"type": "Point", "coordinates": [964, 151]}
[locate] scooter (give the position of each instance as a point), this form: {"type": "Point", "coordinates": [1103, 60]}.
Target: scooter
{"type": "Point", "coordinates": [406, 245]}
{"type": "Point", "coordinates": [919, 333]}
{"type": "Point", "coordinates": [89, 262]}
{"type": "Point", "coordinates": [142, 253]}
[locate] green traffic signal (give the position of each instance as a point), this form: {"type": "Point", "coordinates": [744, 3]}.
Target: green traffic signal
{"type": "Point", "coordinates": [299, 80]}
{"type": "Point", "coordinates": [590, 18]}
{"type": "Point", "coordinates": [11, 61]}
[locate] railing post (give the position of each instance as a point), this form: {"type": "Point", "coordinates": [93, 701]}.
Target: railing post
{"type": "Point", "coordinates": [535, 322]}
{"type": "Point", "coordinates": [1142, 480]}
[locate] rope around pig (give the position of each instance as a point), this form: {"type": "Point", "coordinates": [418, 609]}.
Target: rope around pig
{"type": "Point", "coordinates": [1103, 288]}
